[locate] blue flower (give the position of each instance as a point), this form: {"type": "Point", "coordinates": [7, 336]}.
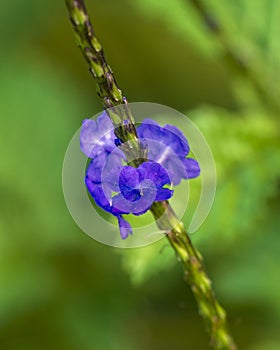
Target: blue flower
{"type": "Point", "coordinates": [120, 189]}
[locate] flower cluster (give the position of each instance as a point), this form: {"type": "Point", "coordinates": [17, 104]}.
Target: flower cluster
{"type": "Point", "coordinates": [122, 189]}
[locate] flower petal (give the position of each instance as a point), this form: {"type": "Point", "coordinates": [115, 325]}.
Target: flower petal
{"type": "Point", "coordinates": [163, 194]}
{"type": "Point", "coordinates": [125, 227]}
{"type": "Point", "coordinates": [129, 178]}
{"type": "Point", "coordinates": [94, 169]}
{"type": "Point", "coordinates": [192, 168]}
{"type": "Point", "coordinates": [120, 205]}
{"type": "Point", "coordinates": [129, 183]}
{"type": "Point", "coordinates": [175, 169]}
{"type": "Point", "coordinates": [178, 141]}
{"type": "Point", "coordinates": [154, 172]}
{"type": "Point", "coordinates": [98, 195]}
{"type": "Point", "coordinates": [139, 206]}
{"type": "Point", "coordinates": [170, 135]}
{"type": "Point", "coordinates": [95, 134]}
{"type": "Point", "coordinates": [111, 170]}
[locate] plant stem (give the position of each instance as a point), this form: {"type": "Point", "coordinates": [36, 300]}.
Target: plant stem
{"type": "Point", "coordinates": [108, 89]}
{"type": "Point", "coordinates": [195, 275]}
{"type": "Point", "coordinates": [194, 272]}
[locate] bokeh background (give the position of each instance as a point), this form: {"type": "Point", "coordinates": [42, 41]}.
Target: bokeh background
{"type": "Point", "coordinates": [219, 63]}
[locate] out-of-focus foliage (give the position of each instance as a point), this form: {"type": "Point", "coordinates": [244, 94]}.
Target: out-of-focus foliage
{"type": "Point", "coordinates": [246, 147]}
{"type": "Point", "coordinates": [251, 31]}
{"type": "Point", "coordinates": [60, 289]}
{"type": "Point", "coordinates": [246, 150]}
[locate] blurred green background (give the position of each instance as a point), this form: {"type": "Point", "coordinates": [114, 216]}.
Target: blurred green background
{"type": "Point", "coordinates": [59, 289]}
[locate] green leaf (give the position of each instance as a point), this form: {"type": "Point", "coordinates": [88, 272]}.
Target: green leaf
{"type": "Point", "coordinates": [142, 263]}
{"type": "Point", "coordinates": [246, 152]}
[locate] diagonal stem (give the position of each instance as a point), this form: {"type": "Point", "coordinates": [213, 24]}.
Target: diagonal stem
{"type": "Point", "coordinates": [108, 90]}
{"type": "Point", "coordinates": [194, 272]}
{"type": "Point", "coordinates": [236, 58]}
{"type": "Point", "coordinates": [212, 312]}
{"type": "Point", "coordinates": [92, 51]}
